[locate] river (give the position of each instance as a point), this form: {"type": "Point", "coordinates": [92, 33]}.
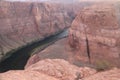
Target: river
{"type": "Point", "coordinates": [19, 58]}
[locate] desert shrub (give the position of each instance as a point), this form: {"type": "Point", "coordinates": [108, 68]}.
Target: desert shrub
{"type": "Point", "coordinates": [102, 65]}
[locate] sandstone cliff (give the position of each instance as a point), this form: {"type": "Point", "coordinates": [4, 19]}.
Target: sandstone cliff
{"type": "Point", "coordinates": [22, 23]}
{"type": "Point", "coordinates": [94, 35]}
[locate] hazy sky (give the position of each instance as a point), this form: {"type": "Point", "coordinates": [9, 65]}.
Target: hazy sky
{"type": "Point", "coordinates": [99, 0]}
{"type": "Point", "coordinates": [27, 0]}
{"type": "Point", "coordinates": [64, 0]}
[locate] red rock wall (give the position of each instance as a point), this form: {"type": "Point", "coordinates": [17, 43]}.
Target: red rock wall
{"type": "Point", "coordinates": [99, 24]}
{"type": "Point", "coordinates": [23, 23]}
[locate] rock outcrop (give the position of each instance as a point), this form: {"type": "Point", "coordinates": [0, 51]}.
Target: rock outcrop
{"type": "Point", "coordinates": [61, 69]}
{"type": "Point", "coordinates": [22, 23]}
{"type": "Point", "coordinates": [57, 68]}
{"type": "Point", "coordinates": [94, 35]}
{"type": "Point", "coordinates": [25, 75]}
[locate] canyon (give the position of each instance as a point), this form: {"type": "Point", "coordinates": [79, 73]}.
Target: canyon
{"type": "Point", "coordinates": [59, 41]}
{"type": "Point", "coordinates": [31, 23]}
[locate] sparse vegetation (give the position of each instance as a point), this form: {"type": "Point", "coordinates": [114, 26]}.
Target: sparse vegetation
{"type": "Point", "coordinates": [102, 65]}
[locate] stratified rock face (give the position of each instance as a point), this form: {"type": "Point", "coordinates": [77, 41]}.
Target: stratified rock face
{"type": "Point", "coordinates": [107, 75]}
{"type": "Point", "coordinates": [24, 23]}
{"type": "Point", "coordinates": [42, 70]}
{"type": "Point", "coordinates": [95, 34]}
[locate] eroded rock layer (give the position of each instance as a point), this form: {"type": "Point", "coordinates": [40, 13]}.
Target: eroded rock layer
{"type": "Point", "coordinates": [22, 23]}
{"type": "Point", "coordinates": [95, 35]}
